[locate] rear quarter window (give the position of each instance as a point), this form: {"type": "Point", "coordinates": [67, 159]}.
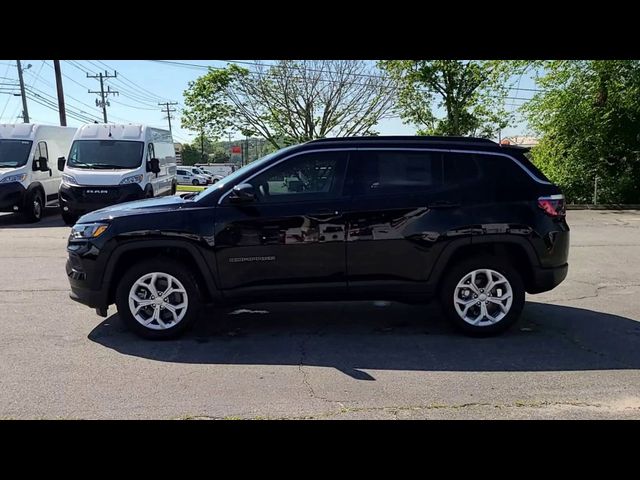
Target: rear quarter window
{"type": "Point", "coordinates": [505, 179]}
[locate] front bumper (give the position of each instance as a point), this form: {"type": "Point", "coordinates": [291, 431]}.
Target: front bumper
{"type": "Point", "coordinates": [79, 281]}
{"type": "Point", "coordinates": [545, 279]}
{"type": "Point", "coordinates": [11, 194]}
{"type": "Point", "coordinates": [79, 200]}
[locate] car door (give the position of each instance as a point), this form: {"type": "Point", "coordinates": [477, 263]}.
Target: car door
{"type": "Point", "coordinates": [46, 179]}
{"type": "Point", "coordinates": [292, 237]}
{"type": "Point", "coordinates": [401, 214]}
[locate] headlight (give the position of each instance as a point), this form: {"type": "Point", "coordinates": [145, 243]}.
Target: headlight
{"type": "Point", "coordinates": [14, 178]}
{"type": "Point", "coordinates": [131, 179]}
{"type": "Point", "coordinates": [69, 179]}
{"type": "Point", "coordinates": [88, 230]}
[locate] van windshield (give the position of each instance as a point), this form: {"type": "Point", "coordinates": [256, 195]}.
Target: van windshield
{"type": "Point", "coordinates": [14, 153]}
{"type": "Point", "coordinates": [107, 154]}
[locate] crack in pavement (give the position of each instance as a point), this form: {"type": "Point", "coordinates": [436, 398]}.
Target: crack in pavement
{"type": "Point", "coordinates": [305, 374]}
{"type": "Point", "coordinates": [598, 288]}
{"type": "Point", "coordinates": [396, 410]}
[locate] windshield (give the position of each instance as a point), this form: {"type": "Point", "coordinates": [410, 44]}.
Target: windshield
{"type": "Point", "coordinates": [14, 153]}
{"type": "Point", "coordinates": [232, 177]}
{"type": "Point", "coordinates": [108, 154]}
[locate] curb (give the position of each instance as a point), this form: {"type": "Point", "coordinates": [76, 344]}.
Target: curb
{"type": "Point", "coordinates": [612, 206]}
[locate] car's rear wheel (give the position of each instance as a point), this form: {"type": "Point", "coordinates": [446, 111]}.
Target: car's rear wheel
{"type": "Point", "coordinates": [158, 298]}
{"type": "Point", "coordinates": [482, 296]}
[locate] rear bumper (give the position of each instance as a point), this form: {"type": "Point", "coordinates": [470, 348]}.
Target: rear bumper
{"type": "Point", "coordinates": [11, 194]}
{"type": "Point", "coordinates": [545, 279]}
{"type": "Point", "coordinates": [80, 200]}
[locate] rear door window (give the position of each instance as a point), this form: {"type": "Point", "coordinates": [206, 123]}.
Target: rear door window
{"type": "Point", "coordinates": [396, 172]}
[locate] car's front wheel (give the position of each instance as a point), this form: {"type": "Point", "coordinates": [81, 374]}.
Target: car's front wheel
{"type": "Point", "coordinates": [158, 298]}
{"type": "Point", "coordinates": [69, 218]}
{"type": "Point", "coordinates": [482, 296]}
{"type": "Point", "coordinates": [195, 182]}
{"type": "Point", "coordinates": [34, 206]}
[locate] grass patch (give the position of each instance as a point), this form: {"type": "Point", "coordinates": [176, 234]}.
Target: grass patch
{"type": "Point", "coordinates": [189, 188]}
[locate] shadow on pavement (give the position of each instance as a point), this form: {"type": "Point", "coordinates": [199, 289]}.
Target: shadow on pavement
{"type": "Point", "coordinates": [50, 218]}
{"type": "Point", "coordinates": [353, 337]}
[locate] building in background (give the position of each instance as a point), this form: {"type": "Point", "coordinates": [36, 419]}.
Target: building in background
{"type": "Point", "coordinates": [178, 149]}
{"type": "Point", "coordinates": [520, 141]}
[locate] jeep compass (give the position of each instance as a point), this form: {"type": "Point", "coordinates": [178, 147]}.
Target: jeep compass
{"type": "Point", "coordinates": [464, 220]}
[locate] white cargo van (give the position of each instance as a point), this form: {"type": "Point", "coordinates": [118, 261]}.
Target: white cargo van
{"type": "Point", "coordinates": [218, 169]}
{"type": "Point", "coordinates": [29, 176]}
{"type": "Point", "coordinates": [115, 163]}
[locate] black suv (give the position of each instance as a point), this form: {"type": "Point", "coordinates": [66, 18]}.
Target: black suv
{"type": "Point", "coordinates": [466, 220]}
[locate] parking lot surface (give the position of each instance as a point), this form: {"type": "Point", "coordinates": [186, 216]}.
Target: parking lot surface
{"type": "Point", "coordinates": [574, 354]}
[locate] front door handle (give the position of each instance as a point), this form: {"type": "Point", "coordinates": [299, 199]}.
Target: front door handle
{"type": "Point", "coordinates": [326, 211]}
{"type": "Point", "coordinates": [443, 204]}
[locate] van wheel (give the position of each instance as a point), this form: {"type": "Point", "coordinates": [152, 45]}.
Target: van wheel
{"type": "Point", "coordinates": [148, 193]}
{"type": "Point", "coordinates": [482, 296]}
{"type": "Point", "coordinates": [69, 218]}
{"type": "Point", "coordinates": [195, 182]}
{"type": "Point", "coordinates": [174, 188]}
{"type": "Point", "coordinates": [34, 206]}
{"type": "Point", "coordinates": [158, 298]}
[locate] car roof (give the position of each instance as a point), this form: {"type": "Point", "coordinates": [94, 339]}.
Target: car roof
{"type": "Point", "coordinates": [416, 141]}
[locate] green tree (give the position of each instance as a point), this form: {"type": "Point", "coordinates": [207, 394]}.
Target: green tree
{"type": "Point", "coordinates": [291, 101]}
{"type": "Point", "coordinates": [207, 109]}
{"type": "Point", "coordinates": [588, 115]}
{"type": "Point", "coordinates": [471, 93]}
{"type": "Point", "coordinates": [190, 154]}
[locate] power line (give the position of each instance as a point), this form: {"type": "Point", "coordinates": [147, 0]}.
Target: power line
{"type": "Point", "coordinates": [306, 69]}
{"type": "Point", "coordinates": [141, 91]}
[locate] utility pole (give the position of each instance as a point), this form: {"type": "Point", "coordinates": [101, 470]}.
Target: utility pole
{"type": "Point", "coordinates": [25, 111]}
{"type": "Point", "coordinates": [61, 110]}
{"type": "Point", "coordinates": [103, 94]}
{"type": "Point", "coordinates": [202, 145]}
{"type": "Point", "coordinates": [168, 111]}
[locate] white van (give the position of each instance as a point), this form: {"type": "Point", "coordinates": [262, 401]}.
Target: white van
{"type": "Point", "coordinates": [115, 163]}
{"type": "Point", "coordinates": [187, 177]}
{"type": "Point", "coordinates": [220, 170]}
{"type": "Point", "coordinates": [29, 176]}
{"type": "Point", "coordinates": [198, 171]}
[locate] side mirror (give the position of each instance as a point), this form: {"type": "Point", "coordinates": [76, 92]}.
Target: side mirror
{"type": "Point", "coordinates": [153, 166]}
{"type": "Point", "coordinates": [40, 165]}
{"type": "Point", "coordinates": [243, 193]}
{"type": "Point", "coordinates": [61, 163]}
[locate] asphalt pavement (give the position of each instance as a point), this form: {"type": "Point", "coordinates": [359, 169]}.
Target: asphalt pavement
{"type": "Point", "coordinates": [574, 354]}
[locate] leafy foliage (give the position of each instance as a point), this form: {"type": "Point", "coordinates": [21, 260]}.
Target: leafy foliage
{"type": "Point", "coordinates": [471, 93]}
{"type": "Point", "coordinates": [589, 119]}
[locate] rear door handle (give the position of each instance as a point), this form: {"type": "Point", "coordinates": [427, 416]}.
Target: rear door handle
{"type": "Point", "coordinates": [443, 204]}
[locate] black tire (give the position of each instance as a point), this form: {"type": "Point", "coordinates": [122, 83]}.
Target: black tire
{"type": "Point", "coordinates": [69, 218]}
{"type": "Point", "coordinates": [163, 265]}
{"type": "Point", "coordinates": [174, 188]}
{"type": "Point", "coordinates": [195, 182]}
{"type": "Point", "coordinates": [34, 206]}
{"type": "Point", "coordinates": [149, 192]}
{"type": "Point", "coordinates": [459, 271]}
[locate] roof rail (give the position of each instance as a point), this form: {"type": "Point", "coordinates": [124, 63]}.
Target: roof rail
{"type": "Point", "coordinates": [405, 138]}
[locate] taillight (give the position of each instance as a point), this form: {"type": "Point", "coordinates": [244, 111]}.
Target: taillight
{"type": "Point", "coordinates": [553, 205]}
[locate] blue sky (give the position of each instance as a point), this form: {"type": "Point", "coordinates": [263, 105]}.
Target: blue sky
{"type": "Point", "coordinates": [142, 84]}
